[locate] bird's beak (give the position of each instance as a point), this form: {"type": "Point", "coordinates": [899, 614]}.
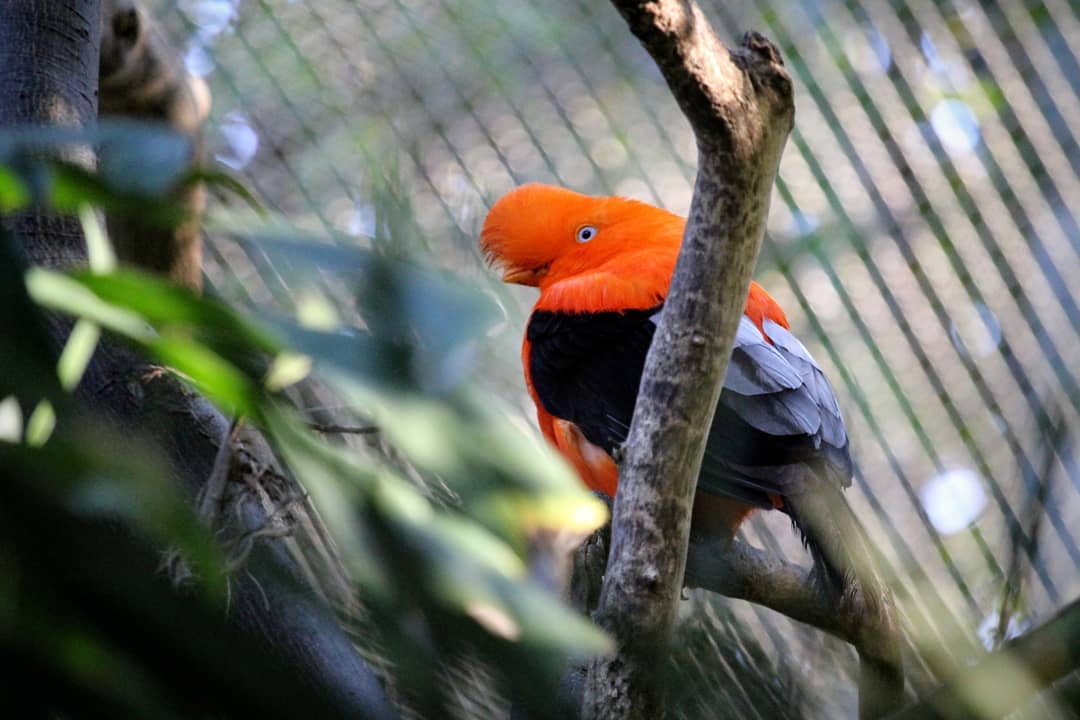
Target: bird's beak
{"type": "Point", "coordinates": [524, 276]}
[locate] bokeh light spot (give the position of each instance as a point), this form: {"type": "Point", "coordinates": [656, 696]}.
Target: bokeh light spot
{"type": "Point", "coordinates": [955, 123]}
{"type": "Point", "coordinates": [953, 499]}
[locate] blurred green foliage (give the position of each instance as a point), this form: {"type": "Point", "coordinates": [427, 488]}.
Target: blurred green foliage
{"type": "Point", "coordinates": [444, 578]}
{"type": "Point", "coordinates": [922, 241]}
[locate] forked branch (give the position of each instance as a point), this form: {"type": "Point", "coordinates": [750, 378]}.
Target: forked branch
{"type": "Point", "coordinates": [741, 109]}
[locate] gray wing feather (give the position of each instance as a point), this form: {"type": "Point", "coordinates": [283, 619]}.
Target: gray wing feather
{"type": "Point", "coordinates": [778, 388]}
{"type": "Point", "coordinates": [756, 367]}
{"type": "Point", "coordinates": [778, 428]}
{"type": "Point", "coordinates": [817, 386]}
{"type": "Point", "coordinates": [788, 412]}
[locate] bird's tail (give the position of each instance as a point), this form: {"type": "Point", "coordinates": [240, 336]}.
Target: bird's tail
{"type": "Point", "coordinates": [844, 562]}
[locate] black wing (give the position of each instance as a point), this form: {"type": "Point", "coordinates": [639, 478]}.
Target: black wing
{"type": "Point", "coordinates": [586, 368]}
{"type": "Point", "coordinates": [777, 417]}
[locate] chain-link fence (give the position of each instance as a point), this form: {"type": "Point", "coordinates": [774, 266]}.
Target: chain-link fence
{"type": "Point", "coordinates": [921, 238]}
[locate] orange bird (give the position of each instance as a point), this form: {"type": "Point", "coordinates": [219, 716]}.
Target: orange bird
{"type": "Point", "coordinates": [603, 266]}
{"type": "Point", "coordinates": [777, 440]}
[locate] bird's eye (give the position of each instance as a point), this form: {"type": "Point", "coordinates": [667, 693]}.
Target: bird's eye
{"type": "Point", "coordinates": [585, 233]}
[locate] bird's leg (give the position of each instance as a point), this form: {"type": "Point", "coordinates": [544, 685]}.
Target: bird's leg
{"type": "Point", "coordinates": [590, 562]}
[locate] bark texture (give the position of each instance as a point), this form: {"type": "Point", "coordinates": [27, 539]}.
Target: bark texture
{"type": "Point", "coordinates": [743, 572]}
{"type": "Point", "coordinates": [48, 75]}
{"type": "Point", "coordinates": [741, 108]}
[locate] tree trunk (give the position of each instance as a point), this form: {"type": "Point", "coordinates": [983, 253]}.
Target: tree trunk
{"type": "Point", "coordinates": [48, 76]}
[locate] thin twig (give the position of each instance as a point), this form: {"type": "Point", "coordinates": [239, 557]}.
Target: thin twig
{"type": "Point", "coordinates": [214, 492]}
{"type": "Point", "coordinates": [343, 429]}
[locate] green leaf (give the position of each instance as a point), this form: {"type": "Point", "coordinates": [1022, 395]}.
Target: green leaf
{"type": "Point", "coordinates": [477, 575]}
{"type": "Point", "coordinates": [287, 369]}
{"type": "Point", "coordinates": [70, 187]}
{"type": "Point", "coordinates": [40, 426]}
{"type": "Point", "coordinates": [422, 321]}
{"type": "Point", "coordinates": [223, 178]}
{"type": "Point", "coordinates": [573, 511]}
{"type": "Point", "coordinates": [13, 194]}
{"type": "Point", "coordinates": [139, 164]}
{"type": "Point", "coordinates": [77, 352]}
{"type": "Point", "coordinates": [214, 376]}
{"type": "Point", "coordinates": [63, 292]}
{"type": "Point", "coordinates": [99, 250]}
{"type": "Point", "coordinates": [166, 305]}
{"type": "Point", "coordinates": [133, 157]}
{"type": "Point", "coordinates": [112, 301]}
{"type": "Point", "coordinates": [463, 438]}
{"type": "Point", "coordinates": [142, 159]}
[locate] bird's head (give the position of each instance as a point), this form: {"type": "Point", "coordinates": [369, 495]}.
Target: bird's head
{"type": "Point", "coordinates": [538, 234]}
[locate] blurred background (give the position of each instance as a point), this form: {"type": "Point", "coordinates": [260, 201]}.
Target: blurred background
{"type": "Point", "coordinates": [921, 240]}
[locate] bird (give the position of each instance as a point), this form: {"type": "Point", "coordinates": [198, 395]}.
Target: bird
{"type": "Point", "coordinates": [777, 440]}
{"type": "Point", "coordinates": [603, 266]}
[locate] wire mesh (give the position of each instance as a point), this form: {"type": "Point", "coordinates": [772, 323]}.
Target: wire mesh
{"type": "Point", "coordinates": [921, 236]}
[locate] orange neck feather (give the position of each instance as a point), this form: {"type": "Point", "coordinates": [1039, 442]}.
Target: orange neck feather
{"type": "Point", "coordinates": [636, 281]}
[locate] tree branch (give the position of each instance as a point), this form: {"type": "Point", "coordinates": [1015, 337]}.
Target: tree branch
{"type": "Point", "coordinates": [741, 109]}
{"type": "Point", "coordinates": [743, 572]}
{"type": "Point", "coordinates": [738, 571]}
{"type": "Point", "coordinates": [333, 429]}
